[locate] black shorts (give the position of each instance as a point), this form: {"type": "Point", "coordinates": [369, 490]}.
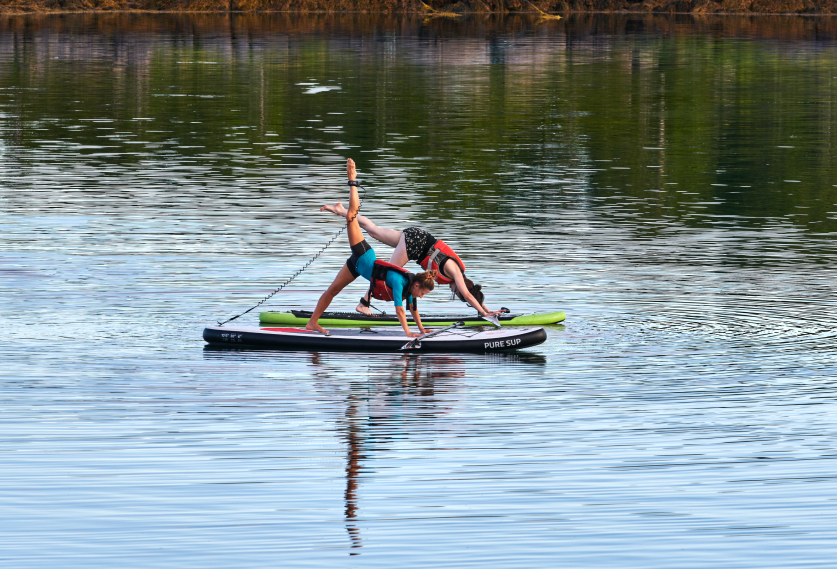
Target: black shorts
{"type": "Point", "coordinates": [357, 250]}
{"type": "Point", "coordinates": [418, 243]}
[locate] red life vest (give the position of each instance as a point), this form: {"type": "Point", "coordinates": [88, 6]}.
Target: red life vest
{"type": "Point", "coordinates": [379, 287]}
{"type": "Point", "coordinates": [444, 253]}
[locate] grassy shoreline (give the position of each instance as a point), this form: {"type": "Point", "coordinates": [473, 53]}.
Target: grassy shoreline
{"type": "Point", "coordinates": [440, 8]}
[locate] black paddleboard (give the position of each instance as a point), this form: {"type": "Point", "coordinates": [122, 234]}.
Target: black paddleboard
{"type": "Point", "coordinates": [458, 340]}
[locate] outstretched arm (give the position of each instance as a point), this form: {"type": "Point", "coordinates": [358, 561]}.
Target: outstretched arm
{"type": "Point", "coordinates": [459, 279]}
{"type": "Point", "coordinates": [417, 320]}
{"type": "Point", "coordinates": [402, 317]}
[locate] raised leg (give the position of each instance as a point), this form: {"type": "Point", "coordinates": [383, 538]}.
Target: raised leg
{"type": "Point", "coordinates": [352, 225]}
{"type": "Point", "coordinates": [399, 256]}
{"type": "Point", "coordinates": [386, 236]}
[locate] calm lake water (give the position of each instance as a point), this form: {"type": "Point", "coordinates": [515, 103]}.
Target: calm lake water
{"type": "Point", "coordinates": [668, 182]}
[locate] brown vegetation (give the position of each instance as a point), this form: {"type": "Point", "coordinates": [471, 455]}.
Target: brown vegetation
{"type": "Point", "coordinates": [578, 25]}
{"type": "Point", "coordinates": [431, 6]}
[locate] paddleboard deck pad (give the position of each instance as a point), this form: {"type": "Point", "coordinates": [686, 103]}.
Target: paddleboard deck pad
{"type": "Point", "coordinates": [301, 317]}
{"type": "Point", "coordinates": [457, 340]}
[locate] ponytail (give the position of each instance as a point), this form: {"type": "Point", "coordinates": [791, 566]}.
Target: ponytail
{"type": "Point", "coordinates": [426, 280]}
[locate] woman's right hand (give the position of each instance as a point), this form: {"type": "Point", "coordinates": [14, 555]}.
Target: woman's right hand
{"type": "Point", "coordinates": [413, 335]}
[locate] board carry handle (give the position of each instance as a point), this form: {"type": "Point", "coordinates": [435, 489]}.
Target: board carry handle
{"type": "Point", "coordinates": [416, 342]}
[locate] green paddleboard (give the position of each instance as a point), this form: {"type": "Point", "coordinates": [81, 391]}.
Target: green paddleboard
{"type": "Point", "coordinates": [300, 317]}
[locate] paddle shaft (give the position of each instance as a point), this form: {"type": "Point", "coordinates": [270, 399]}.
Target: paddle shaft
{"type": "Point", "coordinates": [412, 342]}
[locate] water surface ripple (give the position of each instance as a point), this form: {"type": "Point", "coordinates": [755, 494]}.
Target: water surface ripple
{"type": "Point", "coordinates": [668, 182]}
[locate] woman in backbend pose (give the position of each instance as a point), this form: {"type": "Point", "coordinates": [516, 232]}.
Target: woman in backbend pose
{"type": "Point", "coordinates": [414, 244]}
{"type": "Point", "coordinates": [387, 281]}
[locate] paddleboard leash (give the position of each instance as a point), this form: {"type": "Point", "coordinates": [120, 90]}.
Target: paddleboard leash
{"type": "Point", "coordinates": [305, 266]}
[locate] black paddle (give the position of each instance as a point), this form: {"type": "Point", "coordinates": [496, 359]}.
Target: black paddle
{"type": "Point", "coordinates": [416, 342]}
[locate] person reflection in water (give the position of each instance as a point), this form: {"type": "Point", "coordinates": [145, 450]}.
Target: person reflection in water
{"type": "Point", "coordinates": [395, 387]}
{"type": "Point", "coordinates": [353, 440]}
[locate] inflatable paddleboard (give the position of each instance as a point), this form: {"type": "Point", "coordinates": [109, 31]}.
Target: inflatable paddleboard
{"type": "Point", "coordinates": [300, 318]}
{"type": "Point", "coordinates": [457, 340]}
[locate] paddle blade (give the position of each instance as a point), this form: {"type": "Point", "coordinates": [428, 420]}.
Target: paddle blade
{"type": "Point", "coordinates": [493, 319]}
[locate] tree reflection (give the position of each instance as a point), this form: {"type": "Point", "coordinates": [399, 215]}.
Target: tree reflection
{"type": "Point", "coordinates": [695, 129]}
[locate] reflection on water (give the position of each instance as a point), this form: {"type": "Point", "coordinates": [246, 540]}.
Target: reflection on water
{"type": "Point", "coordinates": [409, 382]}
{"type": "Point", "coordinates": [667, 181]}
{"type": "Point", "coordinates": [353, 441]}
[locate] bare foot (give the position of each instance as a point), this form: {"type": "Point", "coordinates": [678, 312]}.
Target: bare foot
{"type": "Point", "coordinates": [350, 169]}
{"type": "Point", "coordinates": [336, 208]}
{"type": "Point", "coordinates": [316, 327]}
{"type": "Point", "coordinates": [363, 309]}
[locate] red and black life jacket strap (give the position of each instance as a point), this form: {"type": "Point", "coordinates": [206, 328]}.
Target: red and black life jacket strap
{"type": "Point", "coordinates": [439, 254]}
{"type": "Point", "coordinates": [407, 288]}
{"type": "Point", "coordinates": [379, 274]}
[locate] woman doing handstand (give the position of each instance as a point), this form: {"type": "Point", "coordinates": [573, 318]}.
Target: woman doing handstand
{"type": "Point", "coordinates": [390, 282]}
{"type": "Point", "coordinates": [414, 244]}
